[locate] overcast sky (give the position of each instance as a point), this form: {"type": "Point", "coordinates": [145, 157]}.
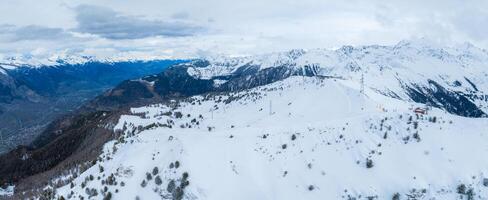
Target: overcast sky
{"type": "Point", "coordinates": [190, 28]}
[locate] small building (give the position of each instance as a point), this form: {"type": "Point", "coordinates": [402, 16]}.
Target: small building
{"type": "Point", "coordinates": [420, 111]}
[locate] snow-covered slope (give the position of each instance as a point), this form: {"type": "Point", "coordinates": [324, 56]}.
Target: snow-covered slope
{"type": "Point", "coordinates": [299, 138]}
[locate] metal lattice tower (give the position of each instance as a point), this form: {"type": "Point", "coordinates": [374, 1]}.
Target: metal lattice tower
{"type": "Point", "coordinates": [361, 90]}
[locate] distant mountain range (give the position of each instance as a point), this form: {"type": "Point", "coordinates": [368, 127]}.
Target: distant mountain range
{"type": "Point", "coordinates": [32, 96]}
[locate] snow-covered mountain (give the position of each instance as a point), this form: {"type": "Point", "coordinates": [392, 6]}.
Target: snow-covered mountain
{"type": "Point", "coordinates": [371, 122]}
{"type": "Point", "coordinates": [410, 70]}
{"type": "Point", "coordinates": [299, 138]}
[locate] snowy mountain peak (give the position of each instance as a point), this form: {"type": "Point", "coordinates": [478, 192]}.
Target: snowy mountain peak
{"type": "Point", "coordinates": [406, 54]}
{"type": "Point", "coordinates": [419, 43]}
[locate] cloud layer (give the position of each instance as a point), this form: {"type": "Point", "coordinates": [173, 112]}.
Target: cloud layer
{"type": "Point", "coordinates": [188, 28]}
{"type": "Point", "coordinates": [109, 24]}
{"type": "Point", "coordinates": [11, 33]}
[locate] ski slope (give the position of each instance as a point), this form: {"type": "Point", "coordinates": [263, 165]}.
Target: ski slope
{"type": "Point", "coordinates": [300, 138]}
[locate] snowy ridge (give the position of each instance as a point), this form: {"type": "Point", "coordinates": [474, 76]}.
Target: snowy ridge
{"type": "Point", "coordinates": [409, 64]}
{"type": "Point", "coordinates": [223, 66]}
{"type": "Point", "coordinates": [299, 138]}
{"type": "Point", "coordinates": [405, 52]}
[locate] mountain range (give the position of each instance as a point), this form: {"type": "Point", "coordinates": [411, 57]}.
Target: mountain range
{"type": "Point", "coordinates": [368, 122]}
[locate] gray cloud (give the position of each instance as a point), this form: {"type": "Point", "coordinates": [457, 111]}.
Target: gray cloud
{"type": "Point", "coordinates": [180, 15]}
{"type": "Point", "coordinates": [107, 23]}
{"type": "Point", "coordinates": [95, 27]}
{"type": "Point", "coordinates": [13, 33]}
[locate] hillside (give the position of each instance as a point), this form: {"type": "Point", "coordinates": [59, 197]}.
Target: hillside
{"type": "Point", "coordinates": [300, 138]}
{"type": "Point", "coordinates": [31, 97]}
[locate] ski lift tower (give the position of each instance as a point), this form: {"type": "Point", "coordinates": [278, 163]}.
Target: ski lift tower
{"type": "Point", "coordinates": [361, 90]}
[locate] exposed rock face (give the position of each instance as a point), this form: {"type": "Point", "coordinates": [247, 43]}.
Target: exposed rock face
{"type": "Point", "coordinates": [438, 96]}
